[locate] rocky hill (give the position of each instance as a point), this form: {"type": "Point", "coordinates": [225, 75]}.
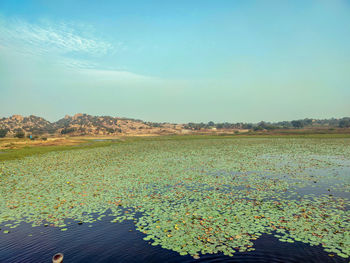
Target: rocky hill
{"type": "Point", "coordinates": [84, 124]}
{"type": "Point", "coordinates": [31, 124]}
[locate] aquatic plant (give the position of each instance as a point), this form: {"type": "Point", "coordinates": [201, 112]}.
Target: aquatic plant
{"type": "Point", "coordinates": [191, 196]}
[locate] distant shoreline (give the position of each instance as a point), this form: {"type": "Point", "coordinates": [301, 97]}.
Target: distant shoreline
{"type": "Point", "coordinates": [16, 148]}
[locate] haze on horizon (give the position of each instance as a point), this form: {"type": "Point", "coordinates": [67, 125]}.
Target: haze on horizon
{"type": "Point", "coordinates": [176, 61]}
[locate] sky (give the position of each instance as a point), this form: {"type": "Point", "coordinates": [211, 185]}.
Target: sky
{"type": "Point", "coordinates": [176, 61]}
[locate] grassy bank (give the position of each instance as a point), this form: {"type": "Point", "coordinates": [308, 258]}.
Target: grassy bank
{"type": "Point", "coordinates": [10, 154]}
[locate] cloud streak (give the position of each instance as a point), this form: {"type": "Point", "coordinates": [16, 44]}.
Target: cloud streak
{"type": "Point", "coordinates": [50, 39]}
{"type": "Point", "coordinates": [60, 46]}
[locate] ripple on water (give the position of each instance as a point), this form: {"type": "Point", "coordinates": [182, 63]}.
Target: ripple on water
{"type": "Point", "coordinates": [120, 242]}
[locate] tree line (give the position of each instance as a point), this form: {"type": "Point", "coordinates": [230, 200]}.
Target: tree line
{"type": "Point", "coordinates": [294, 124]}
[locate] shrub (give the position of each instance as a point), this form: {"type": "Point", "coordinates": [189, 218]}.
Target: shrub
{"type": "Point", "coordinates": [3, 133]}
{"type": "Point", "coordinates": [67, 130]}
{"type": "Point", "coordinates": [19, 134]}
{"type": "Point", "coordinates": [258, 128]}
{"type": "Point", "coordinates": [110, 130]}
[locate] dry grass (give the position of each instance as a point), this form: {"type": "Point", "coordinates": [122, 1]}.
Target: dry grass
{"type": "Point", "coordinates": [14, 143]}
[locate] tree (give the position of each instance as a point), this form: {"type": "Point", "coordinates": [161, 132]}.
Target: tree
{"type": "Point", "coordinates": [344, 124]}
{"type": "Point", "coordinates": [211, 124]}
{"type": "Point", "coordinates": [307, 122]}
{"type": "Point", "coordinates": [3, 133]}
{"type": "Point", "coordinates": [297, 124]}
{"type": "Point", "coordinates": [247, 126]}
{"type": "Point", "coordinates": [262, 124]}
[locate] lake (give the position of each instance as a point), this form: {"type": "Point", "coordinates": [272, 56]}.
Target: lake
{"type": "Point", "coordinates": [225, 199]}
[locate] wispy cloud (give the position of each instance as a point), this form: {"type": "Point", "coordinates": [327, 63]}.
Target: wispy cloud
{"type": "Point", "coordinates": [64, 47]}
{"type": "Point", "coordinates": [46, 38]}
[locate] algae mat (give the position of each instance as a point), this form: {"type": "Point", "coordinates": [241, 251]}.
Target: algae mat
{"type": "Point", "coordinates": [191, 196]}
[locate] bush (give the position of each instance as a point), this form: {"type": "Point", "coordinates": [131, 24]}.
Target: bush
{"type": "Point", "coordinates": [110, 130]}
{"type": "Point", "coordinates": [258, 128]}
{"type": "Point", "coordinates": [67, 130]}
{"type": "Point", "coordinates": [44, 138]}
{"type": "Point", "coordinates": [3, 133]}
{"type": "Point", "coordinates": [19, 134]}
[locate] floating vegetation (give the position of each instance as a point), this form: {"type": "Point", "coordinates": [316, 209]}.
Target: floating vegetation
{"type": "Point", "coordinates": [191, 196]}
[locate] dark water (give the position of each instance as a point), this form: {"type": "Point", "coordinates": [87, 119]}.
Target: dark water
{"type": "Point", "coordinates": [120, 242]}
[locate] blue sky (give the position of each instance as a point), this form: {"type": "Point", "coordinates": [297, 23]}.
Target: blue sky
{"type": "Point", "coordinates": [176, 61]}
